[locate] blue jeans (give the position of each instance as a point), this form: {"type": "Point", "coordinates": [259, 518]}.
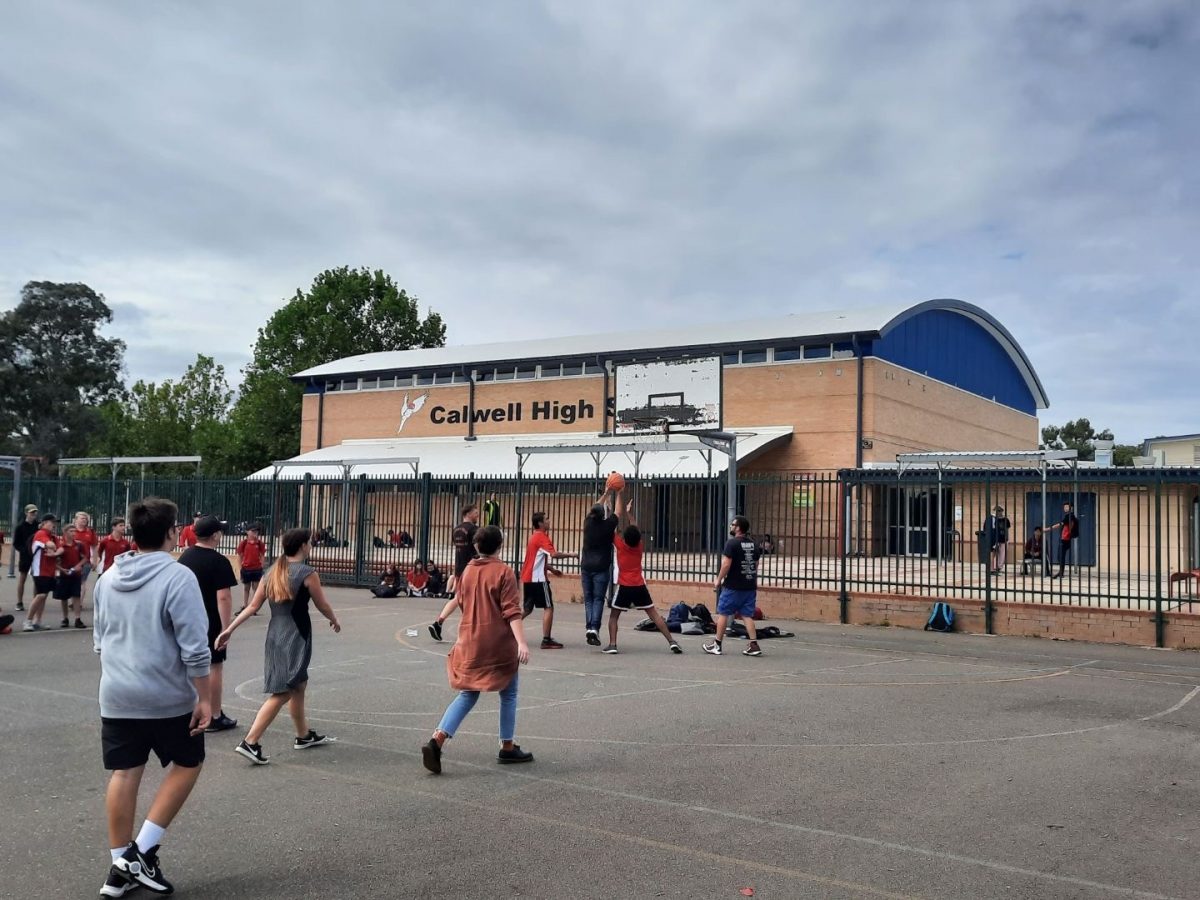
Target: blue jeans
{"type": "Point", "coordinates": [595, 593]}
{"type": "Point", "coordinates": [465, 702]}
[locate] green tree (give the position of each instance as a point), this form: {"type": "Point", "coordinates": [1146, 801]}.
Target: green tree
{"type": "Point", "coordinates": [188, 417]}
{"type": "Point", "coordinates": [1078, 434]}
{"type": "Point", "coordinates": [56, 369]}
{"type": "Point", "coordinates": [346, 312]}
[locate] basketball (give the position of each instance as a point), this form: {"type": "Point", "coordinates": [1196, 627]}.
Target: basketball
{"type": "Point", "coordinates": [616, 482]}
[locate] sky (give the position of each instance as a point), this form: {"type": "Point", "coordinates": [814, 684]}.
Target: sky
{"type": "Point", "coordinates": [557, 168]}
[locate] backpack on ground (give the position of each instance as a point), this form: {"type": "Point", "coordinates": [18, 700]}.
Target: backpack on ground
{"type": "Point", "coordinates": [941, 618]}
{"type": "Point", "coordinates": [701, 613]}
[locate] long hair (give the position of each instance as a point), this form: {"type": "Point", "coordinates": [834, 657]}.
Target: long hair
{"type": "Point", "coordinates": [277, 587]}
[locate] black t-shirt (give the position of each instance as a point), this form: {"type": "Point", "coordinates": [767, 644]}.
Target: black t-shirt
{"type": "Point", "coordinates": [21, 535]}
{"type": "Point", "coordinates": [743, 571]}
{"type": "Point", "coordinates": [464, 546]}
{"type": "Point", "coordinates": [214, 573]}
{"type": "Point", "coordinates": [1070, 527]}
{"type": "Point", "coordinates": [597, 554]}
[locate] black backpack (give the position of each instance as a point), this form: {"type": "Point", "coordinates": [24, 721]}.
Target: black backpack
{"type": "Point", "coordinates": [941, 618]}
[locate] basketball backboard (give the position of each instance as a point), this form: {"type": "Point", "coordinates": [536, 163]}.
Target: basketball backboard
{"type": "Point", "coordinates": [682, 395]}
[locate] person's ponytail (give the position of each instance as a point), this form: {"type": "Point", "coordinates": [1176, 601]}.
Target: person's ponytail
{"type": "Point", "coordinates": [278, 585]}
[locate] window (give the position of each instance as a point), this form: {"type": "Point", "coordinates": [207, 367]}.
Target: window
{"type": "Point", "coordinates": [729, 359]}
{"type": "Point", "coordinates": [332, 386]}
{"type": "Point", "coordinates": [817, 351]}
{"type": "Point", "coordinates": [349, 384]}
{"type": "Point", "coordinates": [525, 372]}
{"type": "Point", "coordinates": [1196, 454]}
{"type": "Point", "coordinates": [486, 375]}
{"type": "Point", "coordinates": [370, 384]}
{"type": "Point", "coordinates": [443, 378]}
{"type": "Point", "coordinates": [593, 369]}
{"type": "Point", "coordinates": [753, 356]}
{"type": "Point", "coordinates": [505, 374]}
{"type": "Point", "coordinates": [843, 350]}
{"type": "Point", "coordinates": [572, 368]}
{"type": "Point", "coordinates": [387, 382]}
{"type": "Point", "coordinates": [788, 354]}
{"type": "Point", "coordinates": [424, 380]}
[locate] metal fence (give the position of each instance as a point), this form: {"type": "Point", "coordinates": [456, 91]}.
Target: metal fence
{"type": "Point", "coordinates": [926, 533]}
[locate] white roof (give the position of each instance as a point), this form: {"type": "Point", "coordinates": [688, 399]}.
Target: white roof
{"type": "Point", "coordinates": [801, 325]}
{"type": "Point", "coordinates": [496, 455]}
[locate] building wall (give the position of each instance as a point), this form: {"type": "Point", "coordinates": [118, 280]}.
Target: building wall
{"type": "Point", "coordinates": [1176, 453]}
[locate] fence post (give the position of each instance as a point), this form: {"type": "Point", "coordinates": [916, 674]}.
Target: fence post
{"type": "Point", "coordinates": [515, 545]}
{"type": "Point", "coordinates": [306, 501]}
{"type": "Point", "coordinates": [1159, 624]}
{"type": "Point", "coordinates": [844, 549]}
{"type": "Point", "coordinates": [426, 513]}
{"type": "Point", "coordinates": [360, 532]}
{"type": "Point", "coordinates": [988, 610]}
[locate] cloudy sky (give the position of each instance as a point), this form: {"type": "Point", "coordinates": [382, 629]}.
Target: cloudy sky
{"type": "Point", "coordinates": [565, 167]}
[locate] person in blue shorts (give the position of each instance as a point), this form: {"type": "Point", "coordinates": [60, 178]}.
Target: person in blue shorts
{"type": "Point", "coordinates": [737, 584]}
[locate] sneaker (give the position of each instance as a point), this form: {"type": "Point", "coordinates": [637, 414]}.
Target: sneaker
{"type": "Point", "coordinates": [611, 648]}
{"type": "Point", "coordinates": [431, 756]}
{"type": "Point", "coordinates": [593, 639]}
{"type": "Point", "coordinates": [550, 644]}
{"type": "Point", "coordinates": [66, 623]}
{"type": "Point", "coordinates": [675, 648]}
{"type": "Point", "coordinates": [20, 606]}
{"type": "Point", "coordinates": [143, 869]}
{"type": "Point", "coordinates": [29, 626]}
{"type": "Point", "coordinates": [435, 631]}
{"type": "Point", "coordinates": [312, 739]}
{"type": "Point", "coordinates": [79, 623]}
{"type": "Point", "coordinates": [220, 723]}
{"type": "Point", "coordinates": [752, 650]}
{"type": "Point", "coordinates": [252, 752]}
{"type": "Point", "coordinates": [515, 755]}
{"type": "Point", "coordinates": [117, 884]}
{"type": "Point", "coordinates": [714, 648]}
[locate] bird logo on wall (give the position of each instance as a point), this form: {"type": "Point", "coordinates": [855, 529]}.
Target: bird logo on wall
{"type": "Point", "coordinates": [411, 408]}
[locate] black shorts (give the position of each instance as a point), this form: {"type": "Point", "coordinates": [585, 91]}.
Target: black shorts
{"type": "Point", "coordinates": [68, 586]}
{"type": "Point", "coordinates": [626, 597]}
{"type": "Point", "coordinates": [127, 742]}
{"type": "Point", "coordinates": [537, 596]}
{"type": "Point", "coordinates": [24, 563]}
{"type": "Point", "coordinates": [44, 584]}
{"type": "Point", "coordinates": [251, 576]}
{"type": "Point", "coordinates": [218, 656]}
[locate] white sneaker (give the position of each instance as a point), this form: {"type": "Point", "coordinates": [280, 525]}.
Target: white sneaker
{"type": "Point", "coordinates": [714, 648]}
{"type": "Point", "coordinates": [29, 626]}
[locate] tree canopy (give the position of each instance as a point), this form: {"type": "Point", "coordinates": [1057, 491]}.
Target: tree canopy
{"type": "Point", "coordinates": [1078, 434]}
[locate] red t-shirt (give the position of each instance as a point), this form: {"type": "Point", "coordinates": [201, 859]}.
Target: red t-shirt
{"type": "Point", "coordinates": [187, 537]}
{"type": "Point", "coordinates": [629, 562]}
{"type": "Point", "coordinates": [87, 538]}
{"type": "Point", "coordinates": [44, 566]}
{"type": "Point", "coordinates": [417, 579]}
{"type": "Point", "coordinates": [251, 553]}
{"type": "Point", "coordinates": [110, 548]}
{"type": "Point", "coordinates": [71, 556]}
{"type": "Point", "coordinates": [538, 553]}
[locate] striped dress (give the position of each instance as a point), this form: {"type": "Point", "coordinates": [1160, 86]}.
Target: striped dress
{"type": "Point", "coordinates": [289, 636]}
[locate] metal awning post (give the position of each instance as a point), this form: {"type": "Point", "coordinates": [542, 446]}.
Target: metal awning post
{"type": "Point", "coordinates": [14, 463]}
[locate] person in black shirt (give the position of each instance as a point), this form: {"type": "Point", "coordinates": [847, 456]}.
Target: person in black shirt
{"type": "Point", "coordinates": [214, 573]}
{"type": "Point", "coordinates": [595, 564]}
{"type": "Point", "coordinates": [491, 512]}
{"type": "Point", "coordinates": [463, 538]}
{"type": "Point", "coordinates": [1069, 532]}
{"type": "Point", "coordinates": [737, 586]}
{"type": "Point", "coordinates": [22, 535]}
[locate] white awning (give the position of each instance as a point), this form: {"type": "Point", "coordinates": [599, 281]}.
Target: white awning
{"type": "Point", "coordinates": [497, 456]}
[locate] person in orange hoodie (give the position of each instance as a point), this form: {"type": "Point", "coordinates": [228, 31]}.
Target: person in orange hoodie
{"type": "Point", "coordinates": [490, 648]}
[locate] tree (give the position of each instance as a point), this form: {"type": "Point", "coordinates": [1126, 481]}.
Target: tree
{"type": "Point", "coordinates": [346, 312]}
{"type": "Point", "coordinates": [1078, 434]}
{"type": "Point", "coordinates": [188, 417]}
{"type": "Point", "coordinates": [56, 369]}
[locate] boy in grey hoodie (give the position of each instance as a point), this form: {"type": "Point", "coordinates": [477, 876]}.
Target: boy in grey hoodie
{"type": "Point", "coordinates": [151, 632]}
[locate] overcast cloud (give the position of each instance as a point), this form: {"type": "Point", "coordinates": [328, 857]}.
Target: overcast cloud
{"type": "Point", "coordinates": [564, 167]}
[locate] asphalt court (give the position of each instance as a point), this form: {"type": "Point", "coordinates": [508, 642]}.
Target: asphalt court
{"type": "Point", "coordinates": [846, 762]}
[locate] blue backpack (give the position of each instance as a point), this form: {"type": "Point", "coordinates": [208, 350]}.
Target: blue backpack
{"type": "Point", "coordinates": [941, 618]}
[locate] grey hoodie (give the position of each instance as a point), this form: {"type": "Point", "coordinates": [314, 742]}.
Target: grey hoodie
{"type": "Point", "coordinates": [151, 632]}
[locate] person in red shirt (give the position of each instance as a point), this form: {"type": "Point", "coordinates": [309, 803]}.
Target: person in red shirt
{"type": "Point", "coordinates": [535, 582]}
{"type": "Point", "coordinates": [632, 592]}
{"type": "Point", "coordinates": [418, 578]}
{"type": "Point", "coordinates": [45, 569]}
{"type": "Point", "coordinates": [109, 548]}
{"type": "Point", "coordinates": [187, 537]}
{"type": "Point", "coordinates": [251, 553]}
{"type": "Point", "coordinates": [88, 539]}
{"type": "Point", "coordinates": [68, 588]}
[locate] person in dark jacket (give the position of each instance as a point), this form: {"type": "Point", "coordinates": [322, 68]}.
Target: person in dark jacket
{"type": "Point", "coordinates": [1034, 552]}
{"type": "Point", "coordinates": [22, 535]}
{"type": "Point", "coordinates": [995, 537]}
{"type": "Point", "coordinates": [596, 563]}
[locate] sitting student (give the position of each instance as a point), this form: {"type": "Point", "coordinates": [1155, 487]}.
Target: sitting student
{"type": "Point", "coordinates": [401, 538]}
{"type": "Point", "coordinates": [391, 583]}
{"type": "Point", "coordinates": [766, 546]}
{"type": "Point", "coordinates": [437, 581]}
{"type": "Point", "coordinates": [418, 578]}
{"type": "Point", "coordinates": [1033, 553]}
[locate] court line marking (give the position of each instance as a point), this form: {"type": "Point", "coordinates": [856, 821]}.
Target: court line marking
{"type": "Point", "coordinates": [810, 831]}
{"type": "Point", "coordinates": [508, 812]}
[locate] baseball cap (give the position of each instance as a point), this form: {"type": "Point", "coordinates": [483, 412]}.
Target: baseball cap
{"type": "Point", "coordinates": [48, 517]}
{"type": "Point", "coordinates": [30, 508]}
{"type": "Point", "coordinates": [207, 526]}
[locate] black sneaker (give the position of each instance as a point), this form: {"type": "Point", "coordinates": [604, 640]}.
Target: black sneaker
{"type": "Point", "coordinates": [435, 631]}
{"type": "Point", "coordinates": [79, 623]}
{"type": "Point", "coordinates": [312, 739]}
{"type": "Point", "coordinates": [675, 648]}
{"type": "Point", "coordinates": [252, 752]}
{"type": "Point", "coordinates": [431, 756]}
{"type": "Point", "coordinates": [20, 606]}
{"type": "Point", "coordinates": [117, 884]}
{"type": "Point", "coordinates": [66, 623]}
{"type": "Point", "coordinates": [593, 639]}
{"type": "Point", "coordinates": [549, 643]}
{"type": "Point", "coordinates": [220, 723]}
{"type": "Point", "coordinates": [515, 755]}
{"type": "Point", "coordinates": [611, 648]}
{"type": "Point", "coordinates": [143, 869]}
{"type": "Point", "coordinates": [752, 650]}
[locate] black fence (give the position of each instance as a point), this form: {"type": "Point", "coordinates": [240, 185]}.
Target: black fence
{"type": "Point", "coordinates": [929, 533]}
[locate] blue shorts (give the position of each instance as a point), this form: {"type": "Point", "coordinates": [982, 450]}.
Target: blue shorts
{"type": "Point", "coordinates": [731, 602]}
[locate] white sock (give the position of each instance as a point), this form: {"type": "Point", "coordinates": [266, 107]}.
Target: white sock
{"type": "Point", "coordinates": [149, 836]}
{"type": "Point", "coordinates": [117, 852]}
